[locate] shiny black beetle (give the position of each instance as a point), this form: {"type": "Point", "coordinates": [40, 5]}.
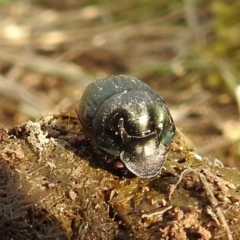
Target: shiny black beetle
{"type": "Point", "coordinates": [126, 118]}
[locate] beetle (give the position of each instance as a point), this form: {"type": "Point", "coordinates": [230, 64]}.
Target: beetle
{"type": "Point", "coordinates": [128, 119]}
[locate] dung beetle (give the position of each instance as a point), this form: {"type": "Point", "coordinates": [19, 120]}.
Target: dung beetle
{"type": "Point", "coordinates": [128, 119]}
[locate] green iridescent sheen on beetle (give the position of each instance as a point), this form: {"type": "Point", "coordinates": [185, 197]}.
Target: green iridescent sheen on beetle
{"type": "Point", "coordinates": [127, 118]}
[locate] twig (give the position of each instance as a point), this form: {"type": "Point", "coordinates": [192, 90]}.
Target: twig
{"type": "Point", "coordinates": [213, 201]}
{"type": "Point", "coordinates": [156, 212]}
{"type": "Point", "coordinates": [215, 206]}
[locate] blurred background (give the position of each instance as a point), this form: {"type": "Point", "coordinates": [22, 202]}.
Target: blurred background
{"type": "Point", "coordinates": [189, 51]}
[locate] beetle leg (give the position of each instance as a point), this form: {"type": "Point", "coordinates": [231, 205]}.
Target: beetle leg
{"type": "Point", "coordinates": [124, 135]}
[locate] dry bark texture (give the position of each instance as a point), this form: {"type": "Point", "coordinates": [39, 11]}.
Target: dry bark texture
{"type": "Point", "coordinates": [54, 185]}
